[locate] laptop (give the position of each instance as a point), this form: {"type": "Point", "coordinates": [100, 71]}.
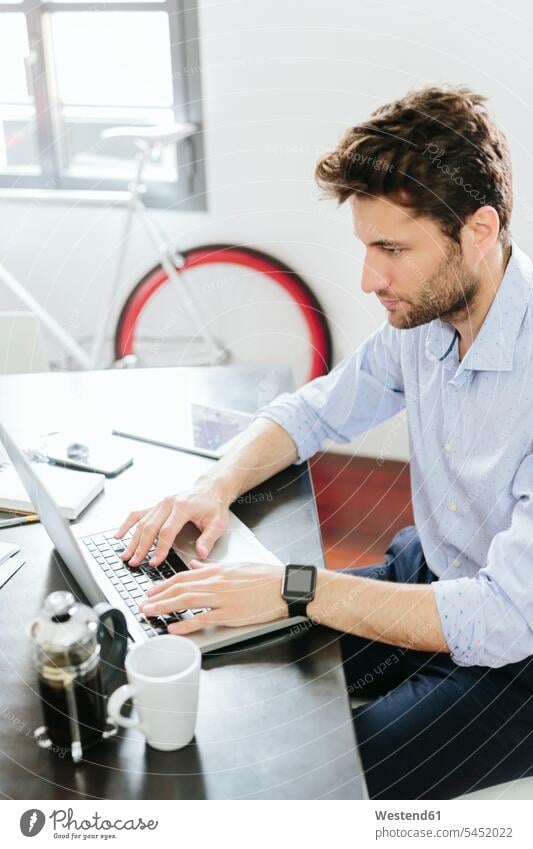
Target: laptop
{"type": "Point", "coordinates": [95, 563]}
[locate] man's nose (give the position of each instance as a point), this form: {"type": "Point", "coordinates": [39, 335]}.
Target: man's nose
{"type": "Point", "coordinates": [374, 278]}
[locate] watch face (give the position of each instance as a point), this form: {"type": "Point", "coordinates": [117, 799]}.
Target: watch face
{"type": "Point", "coordinates": [299, 580]}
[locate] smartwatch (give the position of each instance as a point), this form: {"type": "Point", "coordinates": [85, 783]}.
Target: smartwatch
{"type": "Point", "coordinates": [299, 584]}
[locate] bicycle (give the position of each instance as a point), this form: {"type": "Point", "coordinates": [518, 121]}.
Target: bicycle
{"type": "Point", "coordinates": [207, 305]}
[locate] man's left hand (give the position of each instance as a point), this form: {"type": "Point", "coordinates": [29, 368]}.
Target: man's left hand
{"type": "Point", "coordinates": [236, 593]}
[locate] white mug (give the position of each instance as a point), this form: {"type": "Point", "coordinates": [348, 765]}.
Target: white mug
{"type": "Point", "coordinates": [164, 676]}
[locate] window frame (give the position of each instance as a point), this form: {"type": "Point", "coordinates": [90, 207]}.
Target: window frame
{"type": "Point", "coordinates": [187, 192]}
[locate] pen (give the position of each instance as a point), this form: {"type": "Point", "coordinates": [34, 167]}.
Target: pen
{"type": "Point", "coordinates": [19, 520]}
{"type": "Point", "coordinates": [184, 449]}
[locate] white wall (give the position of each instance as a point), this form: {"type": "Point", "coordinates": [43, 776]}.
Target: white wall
{"type": "Point", "coordinates": [281, 81]}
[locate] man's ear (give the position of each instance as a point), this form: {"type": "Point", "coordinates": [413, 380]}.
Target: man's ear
{"type": "Point", "coordinates": [480, 234]}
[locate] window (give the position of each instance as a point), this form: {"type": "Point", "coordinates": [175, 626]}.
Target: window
{"type": "Point", "coordinates": [69, 70]}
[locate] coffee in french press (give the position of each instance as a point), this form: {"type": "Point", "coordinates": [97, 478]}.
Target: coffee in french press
{"type": "Point", "coordinates": [74, 677]}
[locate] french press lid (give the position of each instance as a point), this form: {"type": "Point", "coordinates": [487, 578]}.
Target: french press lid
{"type": "Point", "coordinates": [65, 631]}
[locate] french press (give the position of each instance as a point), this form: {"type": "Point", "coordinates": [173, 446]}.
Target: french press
{"type": "Point", "coordinates": [74, 676]}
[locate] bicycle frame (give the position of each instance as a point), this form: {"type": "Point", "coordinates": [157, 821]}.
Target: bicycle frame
{"type": "Point", "coordinates": [168, 259]}
{"type": "Point", "coordinates": [67, 342]}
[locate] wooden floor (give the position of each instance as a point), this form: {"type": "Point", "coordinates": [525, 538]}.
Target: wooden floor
{"type": "Point", "coordinates": [361, 503]}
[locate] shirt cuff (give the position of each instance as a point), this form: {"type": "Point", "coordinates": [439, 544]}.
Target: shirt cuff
{"type": "Point", "coordinates": [460, 607]}
{"type": "Point", "coordinates": [295, 417]}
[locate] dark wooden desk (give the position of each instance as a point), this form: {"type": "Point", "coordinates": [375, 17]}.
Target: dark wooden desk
{"type": "Point", "coordinates": [274, 718]}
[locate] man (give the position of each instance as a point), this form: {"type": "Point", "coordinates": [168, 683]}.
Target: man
{"type": "Point", "coordinates": [439, 637]}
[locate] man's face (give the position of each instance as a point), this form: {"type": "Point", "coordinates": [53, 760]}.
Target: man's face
{"type": "Point", "coordinates": [414, 269]}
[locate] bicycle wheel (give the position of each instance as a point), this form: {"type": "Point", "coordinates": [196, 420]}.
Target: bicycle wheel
{"type": "Point", "coordinates": [258, 310]}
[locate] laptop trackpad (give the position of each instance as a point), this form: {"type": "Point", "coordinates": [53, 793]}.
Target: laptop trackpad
{"type": "Point", "coordinates": [237, 545]}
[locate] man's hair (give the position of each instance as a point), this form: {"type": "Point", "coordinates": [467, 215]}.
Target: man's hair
{"type": "Point", "coordinates": [436, 151]}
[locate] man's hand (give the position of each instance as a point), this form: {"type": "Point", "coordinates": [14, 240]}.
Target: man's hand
{"type": "Point", "coordinates": [260, 451]}
{"type": "Point", "coordinates": [204, 506]}
{"type": "Point", "coordinates": [238, 594]}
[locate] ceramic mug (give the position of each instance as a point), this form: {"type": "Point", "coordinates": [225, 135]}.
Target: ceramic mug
{"type": "Point", "coordinates": [163, 682]}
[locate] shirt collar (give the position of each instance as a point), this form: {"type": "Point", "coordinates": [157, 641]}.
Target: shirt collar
{"type": "Point", "coordinates": [493, 347]}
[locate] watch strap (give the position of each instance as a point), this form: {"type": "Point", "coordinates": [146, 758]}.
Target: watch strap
{"type": "Point", "coordinates": [298, 608]}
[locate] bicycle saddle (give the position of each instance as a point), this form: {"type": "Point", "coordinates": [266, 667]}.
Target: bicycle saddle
{"type": "Point", "coordinates": [160, 134]}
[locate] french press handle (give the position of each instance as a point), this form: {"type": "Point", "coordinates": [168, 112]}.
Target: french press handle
{"type": "Point", "coordinates": [113, 664]}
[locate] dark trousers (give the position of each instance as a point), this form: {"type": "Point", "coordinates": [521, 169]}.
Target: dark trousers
{"type": "Point", "coordinates": [434, 730]}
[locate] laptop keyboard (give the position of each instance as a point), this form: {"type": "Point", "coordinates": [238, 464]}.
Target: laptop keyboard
{"type": "Point", "coordinates": [132, 583]}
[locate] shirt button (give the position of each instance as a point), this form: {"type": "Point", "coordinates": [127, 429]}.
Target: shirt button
{"type": "Point", "coordinates": [456, 562]}
{"type": "Point", "coordinates": [448, 447]}
{"type": "Point", "coordinates": [452, 506]}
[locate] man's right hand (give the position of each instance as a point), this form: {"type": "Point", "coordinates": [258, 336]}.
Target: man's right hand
{"type": "Point", "coordinates": [263, 449]}
{"type": "Point", "coordinates": [203, 505]}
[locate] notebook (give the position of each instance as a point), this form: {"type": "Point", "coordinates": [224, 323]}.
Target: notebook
{"type": "Point", "coordinates": [71, 490]}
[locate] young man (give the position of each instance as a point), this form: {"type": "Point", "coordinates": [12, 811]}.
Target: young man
{"type": "Point", "coordinates": [439, 636]}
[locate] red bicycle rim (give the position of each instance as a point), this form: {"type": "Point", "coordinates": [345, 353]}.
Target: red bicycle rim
{"type": "Point", "coordinates": [314, 319]}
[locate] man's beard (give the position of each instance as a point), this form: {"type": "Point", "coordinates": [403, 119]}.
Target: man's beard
{"type": "Point", "coordinates": [448, 294]}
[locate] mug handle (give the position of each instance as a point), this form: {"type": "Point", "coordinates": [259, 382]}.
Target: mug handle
{"type": "Point", "coordinates": [115, 704]}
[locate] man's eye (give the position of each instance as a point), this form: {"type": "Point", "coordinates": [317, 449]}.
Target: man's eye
{"type": "Point", "coordinates": [395, 251]}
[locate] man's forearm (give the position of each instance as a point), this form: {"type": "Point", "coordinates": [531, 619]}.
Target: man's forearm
{"type": "Point", "coordinates": [262, 450]}
{"type": "Point", "coordinates": [399, 614]}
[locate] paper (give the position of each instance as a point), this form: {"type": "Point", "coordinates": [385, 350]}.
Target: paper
{"type": "Point", "coordinates": [211, 430]}
{"type": "Point", "coordinates": [215, 428]}
{"type": "Point", "coordinates": [7, 549]}
{"type": "Point", "coordinates": [9, 568]}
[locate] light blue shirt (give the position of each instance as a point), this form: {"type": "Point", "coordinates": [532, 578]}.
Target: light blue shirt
{"type": "Point", "coordinates": [471, 457]}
